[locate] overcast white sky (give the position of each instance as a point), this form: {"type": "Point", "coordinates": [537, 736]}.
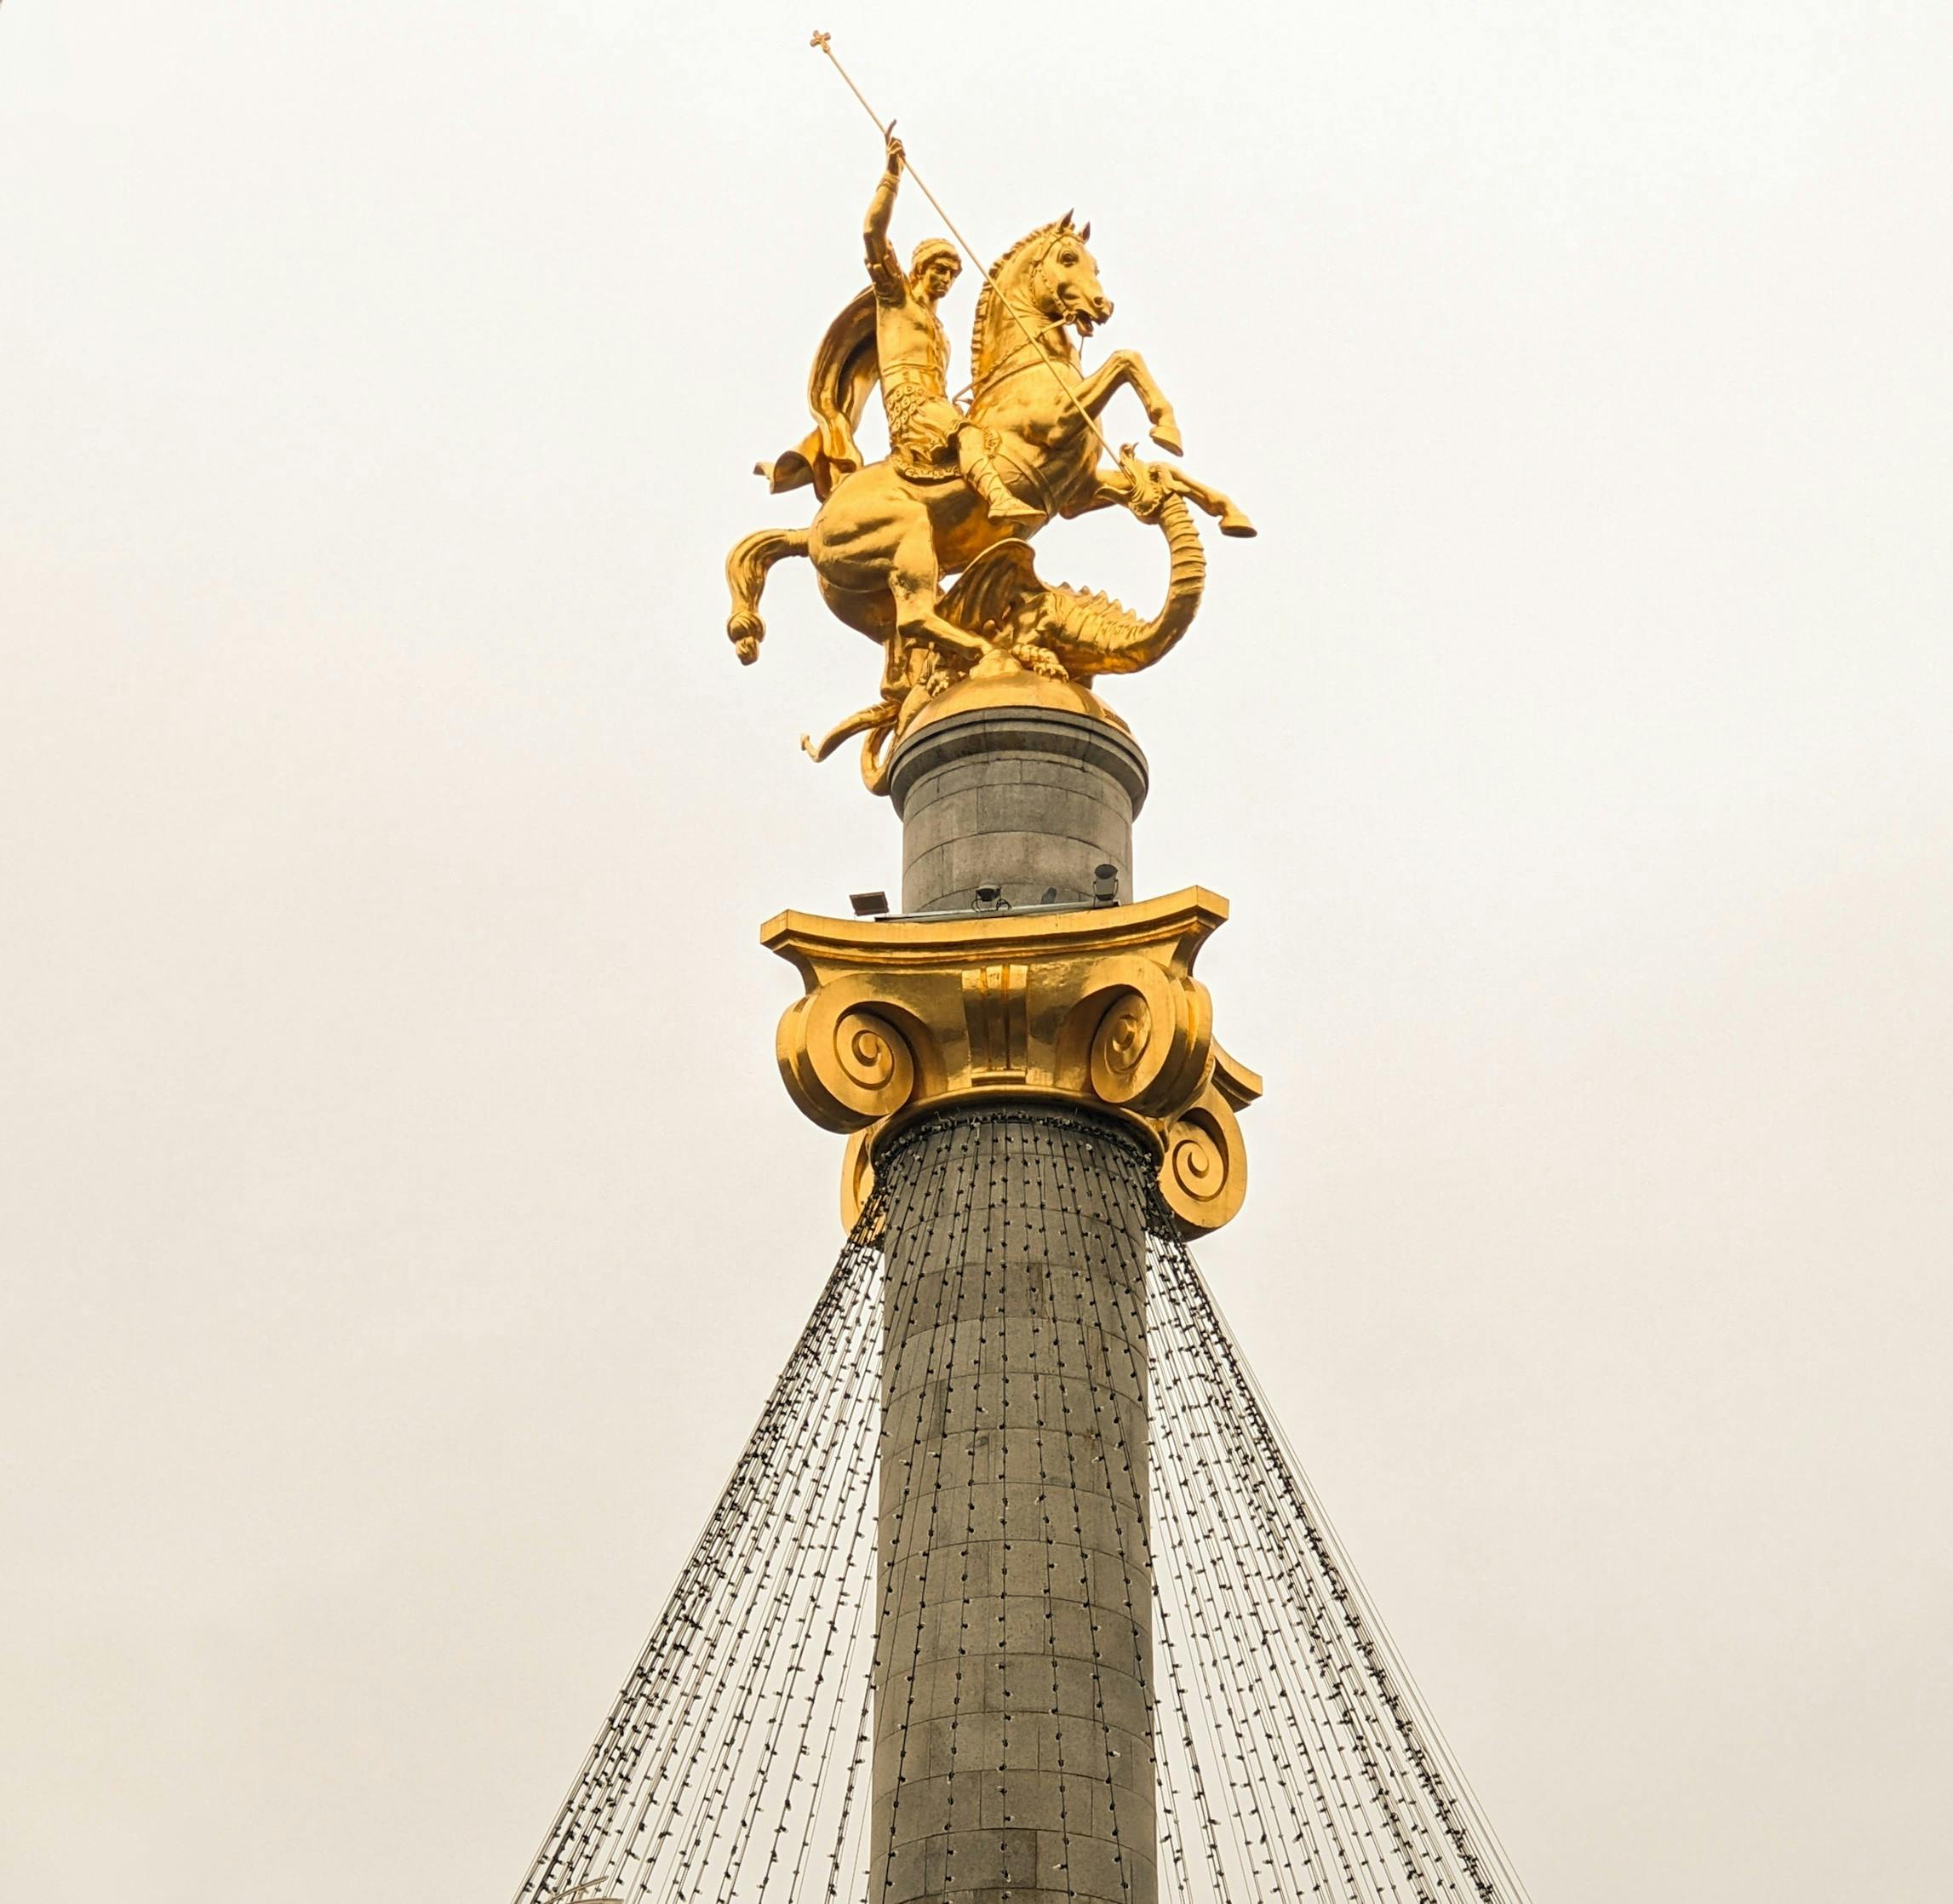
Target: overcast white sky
{"type": "Point", "coordinates": [402, 1218]}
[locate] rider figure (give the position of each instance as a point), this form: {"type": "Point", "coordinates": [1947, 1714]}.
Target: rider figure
{"type": "Point", "coordinates": [929, 437]}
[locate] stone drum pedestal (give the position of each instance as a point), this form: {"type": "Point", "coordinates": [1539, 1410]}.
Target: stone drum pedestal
{"type": "Point", "coordinates": [1028, 797]}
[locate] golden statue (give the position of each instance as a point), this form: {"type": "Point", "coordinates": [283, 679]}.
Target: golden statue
{"type": "Point", "coordinates": [961, 492]}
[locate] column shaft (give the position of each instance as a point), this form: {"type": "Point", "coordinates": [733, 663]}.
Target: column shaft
{"type": "Point", "coordinates": [1013, 1748]}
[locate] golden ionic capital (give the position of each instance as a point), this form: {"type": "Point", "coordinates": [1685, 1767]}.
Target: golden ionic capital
{"type": "Point", "coordinates": [1097, 1009]}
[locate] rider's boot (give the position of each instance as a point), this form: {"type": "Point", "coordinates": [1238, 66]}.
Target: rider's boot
{"type": "Point", "coordinates": [980, 474]}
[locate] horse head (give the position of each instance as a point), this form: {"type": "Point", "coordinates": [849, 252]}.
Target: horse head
{"type": "Point", "coordinates": [1047, 274]}
{"type": "Point", "coordinates": [1062, 279]}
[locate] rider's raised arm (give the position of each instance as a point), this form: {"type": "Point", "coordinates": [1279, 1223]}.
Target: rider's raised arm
{"type": "Point", "coordinates": [884, 270]}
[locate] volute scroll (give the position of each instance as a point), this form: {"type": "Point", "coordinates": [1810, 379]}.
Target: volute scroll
{"type": "Point", "coordinates": [1097, 1008]}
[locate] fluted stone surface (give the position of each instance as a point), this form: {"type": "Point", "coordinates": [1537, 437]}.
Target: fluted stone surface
{"type": "Point", "coordinates": [1013, 1750]}
{"type": "Point", "coordinates": [1029, 799]}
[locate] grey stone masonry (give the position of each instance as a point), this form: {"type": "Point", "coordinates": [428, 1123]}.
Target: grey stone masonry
{"type": "Point", "coordinates": [1013, 1743]}
{"type": "Point", "coordinates": [1030, 799]}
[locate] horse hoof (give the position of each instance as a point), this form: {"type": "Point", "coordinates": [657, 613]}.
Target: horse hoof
{"type": "Point", "coordinates": [1234, 523]}
{"type": "Point", "coordinates": [1168, 438]}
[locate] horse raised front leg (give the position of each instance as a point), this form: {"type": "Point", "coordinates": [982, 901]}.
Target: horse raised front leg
{"type": "Point", "coordinates": [1126, 370]}
{"type": "Point", "coordinates": [1111, 485]}
{"type": "Point", "coordinates": [1233, 520]}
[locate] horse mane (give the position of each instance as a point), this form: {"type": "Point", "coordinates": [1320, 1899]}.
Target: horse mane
{"type": "Point", "coordinates": [986, 297]}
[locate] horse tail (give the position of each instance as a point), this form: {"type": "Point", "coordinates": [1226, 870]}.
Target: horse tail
{"type": "Point", "coordinates": [746, 571]}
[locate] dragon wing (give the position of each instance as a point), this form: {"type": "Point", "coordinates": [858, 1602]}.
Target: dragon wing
{"type": "Point", "coordinates": [988, 591]}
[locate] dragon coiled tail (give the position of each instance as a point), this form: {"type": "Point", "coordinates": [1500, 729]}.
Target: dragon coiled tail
{"type": "Point", "coordinates": [877, 755]}
{"type": "Point", "coordinates": [877, 726]}
{"type": "Point", "coordinates": [865, 721]}
{"type": "Point", "coordinates": [1093, 634]}
{"type": "Point", "coordinates": [746, 571]}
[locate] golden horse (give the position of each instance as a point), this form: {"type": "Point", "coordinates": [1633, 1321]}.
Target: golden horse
{"type": "Point", "coordinates": [882, 543]}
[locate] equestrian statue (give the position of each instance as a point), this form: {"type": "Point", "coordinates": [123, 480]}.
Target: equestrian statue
{"type": "Point", "coordinates": [961, 491]}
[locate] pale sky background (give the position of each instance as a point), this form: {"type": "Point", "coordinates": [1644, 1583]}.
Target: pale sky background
{"type": "Point", "coordinates": [401, 1217]}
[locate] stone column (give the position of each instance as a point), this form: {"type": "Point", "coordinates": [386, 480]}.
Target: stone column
{"type": "Point", "coordinates": [1013, 1749]}
{"type": "Point", "coordinates": [1030, 799]}
{"type": "Point", "coordinates": [1011, 1081]}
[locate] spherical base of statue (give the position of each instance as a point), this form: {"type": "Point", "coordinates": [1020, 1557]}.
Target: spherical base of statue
{"type": "Point", "coordinates": [1014, 792]}
{"type": "Point", "coordinates": [1013, 1738]}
